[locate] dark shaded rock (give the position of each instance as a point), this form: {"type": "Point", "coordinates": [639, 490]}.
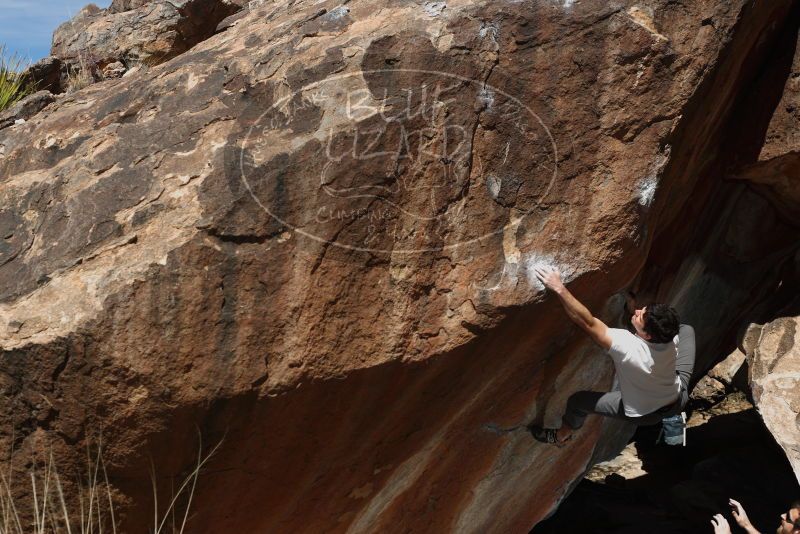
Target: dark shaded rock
{"type": "Point", "coordinates": [25, 108]}
{"type": "Point", "coordinates": [671, 489]}
{"type": "Point", "coordinates": [46, 74]}
{"type": "Point", "coordinates": [778, 179]}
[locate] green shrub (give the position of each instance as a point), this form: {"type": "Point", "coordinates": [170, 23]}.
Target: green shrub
{"type": "Point", "coordinates": [12, 86]}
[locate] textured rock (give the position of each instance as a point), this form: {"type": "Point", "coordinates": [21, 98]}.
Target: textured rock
{"type": "Point", "coordinates": [721, 253]}
{"type": "Point", "coordinates": [46, 74]}
{"type": "Point", "coordinates": [114, 70]}
{"type": "Point", "coordinates": [726, 370]}
{"type": "Point", "coordinates": [776, 175]}
{"type": "Point", "coordinates": [774, 357]}
{"type": "Point", "coordinates": [343, 287]}
{"type": "Point", "coordinates": [778, 179]}
{"type": "Point", "coordinates": [149, 32]}
{"type": "Point", "coordinates": [708, 390]}
{"type": "Point", "coordinates": [118, 6]}
{"type": "Point", "coordinates": [25, 108]}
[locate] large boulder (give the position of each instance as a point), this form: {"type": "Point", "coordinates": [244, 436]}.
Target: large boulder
{"type": "Point", "coordinates": [146, 32]}
{"type": "Point", "coordinates": [314, 235]}
{"type": "Point", "coordinates": [775, 383]}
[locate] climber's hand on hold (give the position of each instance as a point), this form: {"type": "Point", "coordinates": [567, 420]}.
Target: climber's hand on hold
{"type": "Point", "coordinates": [577, 312]}
{"type": "Point", "coordinates": [550, 277]}
{"type": "Point", "coordinates": [721, 525]}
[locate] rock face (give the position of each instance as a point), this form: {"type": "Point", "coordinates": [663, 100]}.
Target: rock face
{"type": "Point", "coordinates": [136, 32]}
{"type": "Point", "coordinates": [45, 74]}
{"type": "Point", "coordinates": [774, 356]}
{"type": "Point", "coordinates": [314, 234]}
{"type": "Point", "coordinates": [25, 108]}
{"type": "Point", "coordinates": [776, 174]}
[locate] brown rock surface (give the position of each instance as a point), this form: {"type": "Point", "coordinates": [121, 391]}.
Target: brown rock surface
{"type": "Point", "coordinates": [149, 32]}
{"type": "Point", "coordinates": [337, 276]}
{"type": "Point", "coordinates": [118, 6]}
{"type": "Point", "coordinates": [776, 175]}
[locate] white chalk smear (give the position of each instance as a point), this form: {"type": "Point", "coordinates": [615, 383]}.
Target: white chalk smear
{"type": "Point", "coordinates": [486, 97]}
{"type": "Point", "coordinates": [494, 183]}
{"type": "Point", "coordinates": [490, 29]}
{"type": "Point", "coordinates": [534, 260]}
{"type": "Point", "coordinates": [434, 9]}
{"type": "Point", "coordinates": [337, 13]}
{"type": "Point", "coordinates": [646, 191]}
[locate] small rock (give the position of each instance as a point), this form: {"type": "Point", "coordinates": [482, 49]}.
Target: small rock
{"type": "Point", "coordinates": [725, 370]}
{"type": "Point", "coordinates": [114, 70]}
{"type": "Point", "coordinates": [708, 390]}
{"type": "Point", "coordinates": [132, 70]}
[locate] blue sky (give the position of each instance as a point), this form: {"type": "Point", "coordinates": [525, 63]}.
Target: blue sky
{"type": "Point", "coordinates": [26, 26]}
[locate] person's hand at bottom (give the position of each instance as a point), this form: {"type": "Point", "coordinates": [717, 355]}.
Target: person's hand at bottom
{"type": "Point", "coordinates": [739, 514]}
{"type": "Point", "coordinates": [721, 525]}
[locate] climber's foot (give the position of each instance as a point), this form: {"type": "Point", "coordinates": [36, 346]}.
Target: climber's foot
{"type": "Point", "coordinates": [556, 436]}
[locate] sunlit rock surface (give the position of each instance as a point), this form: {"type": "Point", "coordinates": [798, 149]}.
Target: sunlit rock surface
{"type": "Point", "coordinates": [313, 234]}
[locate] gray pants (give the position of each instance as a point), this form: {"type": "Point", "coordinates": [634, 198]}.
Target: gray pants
{"type": "Point", "coordinates": [609, 404]}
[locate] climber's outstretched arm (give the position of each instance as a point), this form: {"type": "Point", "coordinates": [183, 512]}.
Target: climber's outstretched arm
{"type": "Point", "coordinates": [576, 311]}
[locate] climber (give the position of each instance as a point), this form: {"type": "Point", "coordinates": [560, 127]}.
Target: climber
{"type": "Point", "coordinates": [790, 521]}
{"type": "Point", "coordinates": [652, 384]}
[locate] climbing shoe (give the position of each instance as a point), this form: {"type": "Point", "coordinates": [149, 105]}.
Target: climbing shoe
{"type": "Point", "coordinates": [547, 435]}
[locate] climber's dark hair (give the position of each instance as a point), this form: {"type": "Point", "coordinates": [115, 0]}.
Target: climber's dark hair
{"type": "Point", "coordinates": [661, 322]}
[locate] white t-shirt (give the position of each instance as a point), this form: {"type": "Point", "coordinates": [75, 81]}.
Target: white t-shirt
{"type": "Point", "coordinates": [645, 371]}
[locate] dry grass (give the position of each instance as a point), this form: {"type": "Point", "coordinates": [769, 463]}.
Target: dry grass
{"type": "Point", "coordinates": [84, 74]}
{"type": "Point", "coordinates": [43, 507]}
{"type": "Point", "coordinates": [46, 506]}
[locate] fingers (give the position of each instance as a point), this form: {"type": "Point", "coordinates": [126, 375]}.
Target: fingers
{"type": "Point", "coordinates": [737, 509]}
{"type": "Point", "coordinates": [544, 271]}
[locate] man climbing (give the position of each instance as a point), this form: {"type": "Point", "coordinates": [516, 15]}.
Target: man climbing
{"type": "Point", "coordinates": [650, 384]}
